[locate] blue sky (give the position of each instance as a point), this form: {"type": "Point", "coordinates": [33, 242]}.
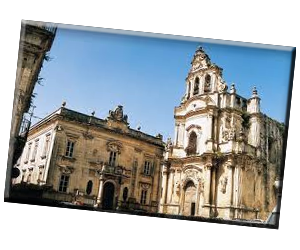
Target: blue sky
{"type": "Point", "coordinates": [96, 71]}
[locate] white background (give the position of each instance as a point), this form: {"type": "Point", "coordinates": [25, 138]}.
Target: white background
{"type": "Point", "coordinates": [151, 240]}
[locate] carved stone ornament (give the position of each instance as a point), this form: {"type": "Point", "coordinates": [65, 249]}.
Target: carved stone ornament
{"type": "Point", "coordinates": [117, 115]}
{"type": "Point", "coordinates": [66, 169]}
{"type": "Point", "coordinates": [248, 165]}
{"type": "Point", "coordinates": [223, 183]}
{"type": "Point", "coordinates": [145, 185]}
{"type": "Point", "coordinates": [259, 168]}
{"type": "Point", "coordinates": [177, 188]}
{"type": "Point", "coordinates": [41, 166]}
{"type": "Point", "coordinates": [191, 174]}
{"type": "Point", "coordinates": [114, 146]}
{"type": "Point", "coordinates": [87, 135]}
{"type": "Point", "coordinates": [222, 87]}
{"type": "Point", "coordinates": [228, 134]}
{"type": "Point", "coordinates": [231, 134]}
{"type": "Point", "coordinates": [201, 185]}
{"type": "Point", "coordinates": [200, 60]}
{"type": "Point", "coordinates": [224, 135]}
{"type": "Point", "coordinates": [169, 144]}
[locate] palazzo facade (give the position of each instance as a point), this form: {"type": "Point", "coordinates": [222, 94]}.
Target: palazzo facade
{"type": "Point", "coordinates": [87, 160]}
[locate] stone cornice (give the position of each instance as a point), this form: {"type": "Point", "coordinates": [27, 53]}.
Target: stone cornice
{"type": "Point", "coordinates": [196, 112]}
{"type": "Point", "coordinates": [80, 119]}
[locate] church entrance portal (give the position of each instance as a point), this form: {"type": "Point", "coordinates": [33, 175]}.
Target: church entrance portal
{"type": "Point", "coordinates": [108, 196]}
{"type": "Point", "coordinates": [189, 199]}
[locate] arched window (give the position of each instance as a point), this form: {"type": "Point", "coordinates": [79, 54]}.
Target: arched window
{"type": "Point", "coordinates": [207, 85]}
{"type": "Point", "coordinates": [192, 146]}
{"type": "Point", "coordinates": [196, 86]}
{"type": "Point", "coordinates": [89, 187]}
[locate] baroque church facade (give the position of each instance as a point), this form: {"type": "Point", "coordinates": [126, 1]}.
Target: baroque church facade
{"type": "Point", "coordinates": [226, 154]}
{"type": "Point", "coordinates": [223, 160]}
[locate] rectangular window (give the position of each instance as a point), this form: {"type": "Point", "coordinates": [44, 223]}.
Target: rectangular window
{"type": "Point", "coordinates": [46, 146]}
{"type": "Point", "coordinates": [36, 145]}
{"type": "Point", "coordinates": [70, 149]}
{"type": "Point", "coordinates": [64, 183]}
{"type": "Point", "coordinates": [147, 168]}
{"type": "Point", "coordinates": [28, 152]}
{"type": "Point", "coordinates": [143, 197]}
{"type": "Point", "coordinates": [112, 158]}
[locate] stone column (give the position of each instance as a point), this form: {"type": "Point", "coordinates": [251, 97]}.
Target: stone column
{"type": "Point", "coordinates": [209, 142]}
{"type": "Point", "coordinates": [209, 125]}
{"type": "Point", "coordinates": [207, 184]}
{"type": "Point", "coordinates": [181, 199]}
{"type": "Point", "coordinates": [182, 134]}
{"type": "Point", "coordinates": [229, 189]}
{"type": "Point", "coordinates": [171, 185]}
{"type": "Point", "coordinates": [207, 190]}
{"type": "Point", "coordinates": [213, 190]}
{"type": "Point", "coordinates": [236, 190]}
{"type": "Point", "coordinates": [176, 133]}
{"type": "Point", "coordinates": [232, 92]}
{"type": "Point", "coordinates": [192, 88]}
{"type": "Point", "coordinates": [99, 196]}
{"type": "Point", "coordinates": [198, 195]}
{"type": "Point", "coordinates": [164, 187]}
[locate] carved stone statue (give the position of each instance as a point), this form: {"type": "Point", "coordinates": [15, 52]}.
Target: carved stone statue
{"type": "Point", "coordinates": [223, 182]}
{"type": "Point", "coordinates": [117, 114]}
{"type": "Point", "coordinates": [231, 134]}
{"type": "Point", "coordinates": [177, 188]}
{"type": "Point", "coordinates": [169, 144]}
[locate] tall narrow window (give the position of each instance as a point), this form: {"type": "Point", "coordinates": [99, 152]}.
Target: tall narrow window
{"type": "Point", "coordinates": [112, 158]}
{"type": "Point", "coordinates": [147, 168]}
{"type": "Point", "coordinates": [192, 146]}
{"type": "Point", "coordinates": [64, 183]}
{"type": "Point", "coordinates": [28, 152]}
{"type": "Point", "coordinates": [89, 187]}
{"type": "Point", "coordinates": [36, 145]}
{"type": "Point", "coordinates": [70, 149]}
{"type": "Point", "coordinates": [143, 197]}
{"type": "Point", "coordinates": [196, 86]}
{"type": "Point", "coordinates": [46, 146]}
